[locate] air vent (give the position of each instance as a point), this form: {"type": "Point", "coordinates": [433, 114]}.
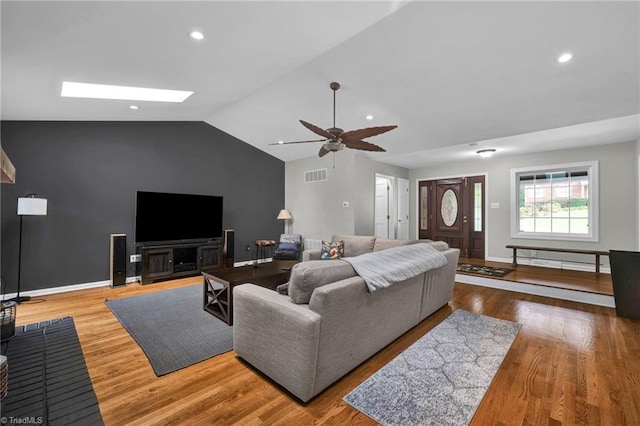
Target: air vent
{"type": "Point", "coordinates": [319, 175]}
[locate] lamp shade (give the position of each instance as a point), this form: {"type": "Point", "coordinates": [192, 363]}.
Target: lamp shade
{"type": "Point", "coordinates": [28, 206]}
{"type": "Point", "coordinates": [284, 214]}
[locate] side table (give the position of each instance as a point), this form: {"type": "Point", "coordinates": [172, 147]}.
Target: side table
{"type": "Point", "coordinates": [261, 248]}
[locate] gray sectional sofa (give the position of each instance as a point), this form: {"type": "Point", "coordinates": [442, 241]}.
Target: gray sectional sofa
{"type": "Point", "coordinates": [329, 323]}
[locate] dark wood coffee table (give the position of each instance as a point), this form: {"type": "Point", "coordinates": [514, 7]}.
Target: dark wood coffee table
{"type": "Point", "coordinates": [218, 284]}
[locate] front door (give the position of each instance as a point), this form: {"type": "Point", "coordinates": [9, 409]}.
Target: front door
{"type": "Point", "coordinates": [452, 210]}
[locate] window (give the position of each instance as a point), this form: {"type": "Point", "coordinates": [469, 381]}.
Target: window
{"type": "Point", "coordinates": [557, 202]}
{"type": "Point", "coordinates": [477, 207]}
{"type": "Point", "coordinates": [424, 212]}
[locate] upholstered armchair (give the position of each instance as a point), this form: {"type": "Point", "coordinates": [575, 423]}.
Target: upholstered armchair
{"type": "Point", "coordinates": [289, 247]}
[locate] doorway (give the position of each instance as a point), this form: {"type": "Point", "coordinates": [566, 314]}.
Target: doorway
{"type": "Point", "coordinates": [403, 209]}
{"type": "Point", "coordinates": [384, 207]}
{"type": "Point", "coordinates": [452, 210]}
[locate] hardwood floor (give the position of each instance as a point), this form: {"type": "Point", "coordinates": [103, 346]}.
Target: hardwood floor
{"type": "Point", "coordinates": [570, 364]}
{"type": "Point", "coordinates": [559, 278]}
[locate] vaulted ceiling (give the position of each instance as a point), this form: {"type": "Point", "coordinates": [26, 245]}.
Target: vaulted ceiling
{"type": "Point", "coordinates": [449, 74]}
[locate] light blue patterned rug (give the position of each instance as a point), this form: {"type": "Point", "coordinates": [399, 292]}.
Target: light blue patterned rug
{"type": "Point", "coordinates": [442, 378]}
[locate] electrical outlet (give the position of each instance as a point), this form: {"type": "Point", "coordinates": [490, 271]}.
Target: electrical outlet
{"type": "Point", "coordinates": [135, 258]}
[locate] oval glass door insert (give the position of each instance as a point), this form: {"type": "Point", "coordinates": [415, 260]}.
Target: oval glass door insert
{"type": "Point", "coordinates": [449, 207]}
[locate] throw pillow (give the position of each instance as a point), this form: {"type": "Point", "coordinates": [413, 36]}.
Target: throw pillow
{"type": "Point", "coordinates": [288, 246]}
{"type": "Point", "coordinates": [332, 250]}
{"type": "Point", "coordinates": [283, 288]}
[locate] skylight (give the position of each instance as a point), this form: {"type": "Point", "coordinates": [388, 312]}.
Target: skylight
{"type": "Point", "coordinates": [105, 91]}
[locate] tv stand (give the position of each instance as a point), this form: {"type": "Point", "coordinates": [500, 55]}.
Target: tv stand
{"type": "Point", "coordinates": [170, 261]}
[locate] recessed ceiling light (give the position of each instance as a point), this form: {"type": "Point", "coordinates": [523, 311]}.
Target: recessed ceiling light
{"type": "Point", "coordinates": [369, 117]}
{"type": "Point", "coordinates": [196, 35]}
{"type": "Point", "coordinates": [565, 57]}
{"type": "Point", "coordinates": [133, 107]}
{"type": "Point", "coordinates": [280, 142]}
{"type": "Point", "coordinates": [105, 91]}
{"type": "Point", "coordinates": [486, 153]}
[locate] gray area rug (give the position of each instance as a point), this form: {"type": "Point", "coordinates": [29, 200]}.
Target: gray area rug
{"type": "Point", "coordinates": [172, 328]}
{"type": "Point", "coordinates": [442, 378]}
{"type": "Point", "coordinates": [48, 382]}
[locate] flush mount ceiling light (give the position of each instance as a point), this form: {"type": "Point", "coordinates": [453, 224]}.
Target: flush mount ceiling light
{"type": "Point", "coordinates": [196, 35]}
{"type": "Point", "coordinates": [369, 117]}
{"type": "Point", "coordinates": [133, 107]}
{"type": "Point", "coordinates": [565, 57]}
{"type": "Point", "coordinates": [105, 91]}
{"type": "Point", "coordinates": [486, 153]}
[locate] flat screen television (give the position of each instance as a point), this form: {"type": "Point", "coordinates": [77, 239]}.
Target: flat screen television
{"type": "Point", "coordinates": [163, 217]}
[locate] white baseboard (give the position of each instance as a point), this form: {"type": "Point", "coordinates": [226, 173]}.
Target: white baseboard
{"type": "Point", "coordinates": [539, 290]}
{"type": "Point", "coordinates": [67, 288]}
{"type": "Point", "coordinates": [250, 262]}
{"type": "Point", "coordinates": [556, 264]}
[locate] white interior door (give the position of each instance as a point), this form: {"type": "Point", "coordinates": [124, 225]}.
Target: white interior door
{"type": "Point", "coordinates": [384, 222]}
{"type": "Point", "coordinates": [403, 209]}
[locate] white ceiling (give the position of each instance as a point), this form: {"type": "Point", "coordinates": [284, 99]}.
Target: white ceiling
{"type": "Point", "coordinates": [447, 73]}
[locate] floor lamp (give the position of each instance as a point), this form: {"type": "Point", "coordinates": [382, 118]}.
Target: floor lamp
{"type": "Point", "coordinates": [286, 216]}
{"type": "Point", "coordinates": [28, 205]}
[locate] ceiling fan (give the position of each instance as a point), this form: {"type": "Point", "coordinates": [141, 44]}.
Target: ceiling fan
{"type": "Point", "coordinates": [336, 139]}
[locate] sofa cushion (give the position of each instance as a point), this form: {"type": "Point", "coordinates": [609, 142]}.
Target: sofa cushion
{"type": "Point", "coordinates": [332, 250]}
{"type": "Point", "coordinates": [385, 243]}
{"type": "Point", "coordinates": [307, 276]}
{"type": "Point", "coordinates": [355, 245]}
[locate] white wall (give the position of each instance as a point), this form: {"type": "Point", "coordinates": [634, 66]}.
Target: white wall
{"type": "Point", "coordinates": [365, 194]}
{"type": "Point", "coordinates": [618, 169]}
{"type": "Point", "coordinates": [317, 207]}
{"type": "Point", "coordinates": [318, 213]}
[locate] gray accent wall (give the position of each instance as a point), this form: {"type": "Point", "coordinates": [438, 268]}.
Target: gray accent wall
{"type": "Point", "coordinates": [90, 172]}
{"type": "Point", "coordinates": [638, 191]}
{"type": "Point", "coordinates": [317, 208]}
{"type": "Point", "coordinates": [618, 192]}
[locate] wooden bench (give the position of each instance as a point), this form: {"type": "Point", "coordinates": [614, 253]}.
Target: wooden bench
{"type": "Point", "coordinates": [596, 253]}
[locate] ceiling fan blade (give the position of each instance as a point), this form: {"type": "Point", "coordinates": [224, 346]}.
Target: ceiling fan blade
{"type": "Point", "coordinates": [323, 152]}
{"type": "Point", "coordinates": [363, 145]}
{"type": "Point", "coordinates": [365, 133]}
{"type": "Point", "coordinates": [317, 130]}
{"type": "Point", "coordinates": [287, 143]}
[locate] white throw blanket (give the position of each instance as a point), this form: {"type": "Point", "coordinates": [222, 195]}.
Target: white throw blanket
{"type": "Point", "coordinates": [383, 268]}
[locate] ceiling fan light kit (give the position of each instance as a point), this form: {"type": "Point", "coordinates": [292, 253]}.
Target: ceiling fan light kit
{"type": "Point", "coordinates": [336, 139]}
